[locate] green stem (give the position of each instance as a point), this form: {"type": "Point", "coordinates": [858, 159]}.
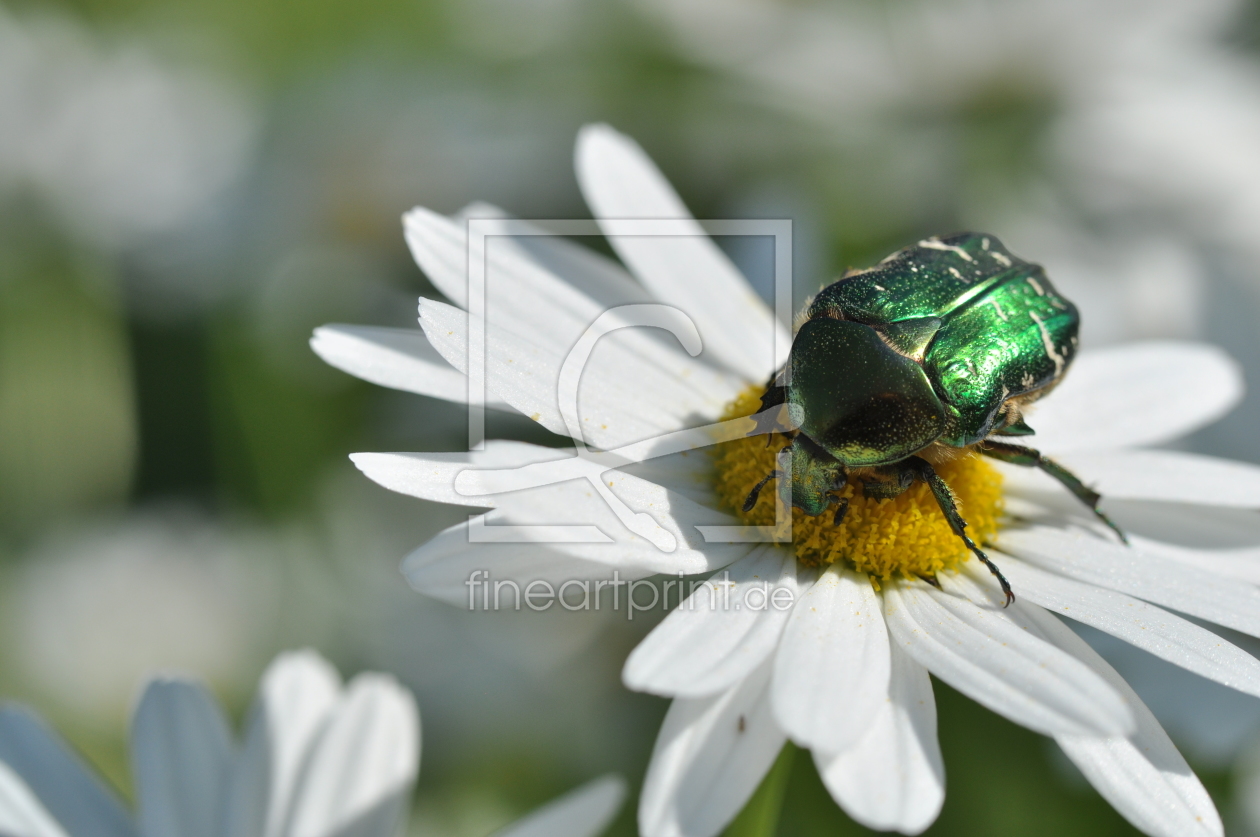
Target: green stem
{"type": "Point", "coordinates": [760, 817]}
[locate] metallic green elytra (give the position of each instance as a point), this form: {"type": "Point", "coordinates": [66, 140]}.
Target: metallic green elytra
{"type": "Point", "coordinates": [941, 343]}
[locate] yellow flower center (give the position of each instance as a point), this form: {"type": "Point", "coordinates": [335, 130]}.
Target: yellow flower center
{"type": "Point", "coordinates": [905, 535]}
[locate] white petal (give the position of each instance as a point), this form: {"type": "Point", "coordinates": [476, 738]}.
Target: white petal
{"type": "Point", "coordinates": [584, 812]}
{"type": "Point", "coordinates": [1036, 498]}
{"type": "Point", "coordinates": [359, 778]}
{"type": "Point", "coordinates": [1195, 526]}
{"type": "Point", "coordinates": [1242, 564]}
{"type": "Point", "coordinates": [893, 779]}
{"type": "Point", "coordinates": [613, 412]}
{"type": "Point", "coordinates": [1142, 776]}
{"type": "Point", "coordinates": [1143, 625]}
{"type": "Point", "coordinates": [21, 815]}
{"type": "Point", "coordinates": [1143, 574]}
{"type": "Point", "coordinates": [591, 272]}
{"type": "Point", "coordinates": [398, 358]}
{"type": "Point", "coordinates": [710, 755]}
{"type": "Point", "coordinates": [668, 541]}
{"type": "Point", "coordinates": [440, 247]}
{"type": "Point", "coordinates": [58, 778]}
{"type": "Point", "coordinates": [689, 473]}
{"type": "Point", "coordinates": [181, 756]}
{"type": "Point", "coordinates": [1170, 476]}
{"type": "Point", "coordinates": [724, 629]}
{"type": "Point", "coordinates": [431, 476]}
{"type": "Point", "coordinates": [993, 655]}
{"type": "Point", "coordinates": [1137, 394]}
{"type": "Point", "coordinates": [446, 568]}
{"type": "Point", "coordinates": [688, 271]}
{"type": "Point", "coordinates": [297, 693]}
{"type": "Point", "coordinates": [831, 670]}
{"type": "Point", "coordinates": [528, 301]}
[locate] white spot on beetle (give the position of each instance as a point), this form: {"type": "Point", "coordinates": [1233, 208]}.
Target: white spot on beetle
{"type": "Point", "coordinates": [937, 244]}
{"type": "Point", "coordinates": [1036, 286]}
{"type": "Point", "coordinates": [997, 308]}
{"type": "Point", "coordinates": [879, 287]}
{"type": "Point", "coordinates": [984, 243]}
{"type": "Point", "coordinates": [958, 275]}
{"type": "Point", "coordinates": [1053, 352]}
{"type": "Point", "coordinates": [1001, 259]}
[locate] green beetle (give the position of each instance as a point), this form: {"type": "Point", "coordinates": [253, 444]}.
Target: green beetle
{"type": "Point", "coordinates": [940, 344]}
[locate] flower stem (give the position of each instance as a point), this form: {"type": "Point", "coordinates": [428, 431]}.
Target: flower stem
{"type": "Point", "coordinates": [760, 817]}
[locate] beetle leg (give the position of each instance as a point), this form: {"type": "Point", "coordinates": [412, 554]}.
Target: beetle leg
{"type": "Point", "coordinates": [751, 500]}
{"type": "Point", "coordinates": [945, 499]}
{"type": "Point", "coordinates": [1031, 458]}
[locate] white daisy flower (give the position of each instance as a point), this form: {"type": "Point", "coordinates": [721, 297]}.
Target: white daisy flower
{"type": "Point", "coordinates": [844, 670]}
{"type": "Point", "coordinates": [318, 760]}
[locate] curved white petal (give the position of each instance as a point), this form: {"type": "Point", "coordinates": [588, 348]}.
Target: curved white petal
{"type": "Point", "coordinates": [181, 756]}
{"type": "Point", "coordinates": [727, 627]}
{"type": "Point", "coordinates": [591, 272]}
{"type": "Point", "coordinates": [710, 755]}
{"type": "Point", "coordinates": [689, 271]}
{"type": "Point", "coordinates": [1170, 476]}
{"type": "Point", "coordinates": [689, 473]}
{"type": "Point", "coordinates": [361, 770]}
{"type": "Point", "coordinates": [612, 410]}
{"type": "Point", "coordinates": [832, 667]}
{"type": "Point", "coordinates": [398, 358]}
{"type": "Point", "coordinates": [893, 779]}
{"type": "Point", "coordinates": [993, 655]}
{"type": "Point", "coordinates": [21, 815]}
{"type": "Point", "coordinates": [449, 567]}
{"type": "Point", "coordinates": [440, 248]}
{"type": "Point", "coordinates": [525, 299]}
{"type": "Point", "coordinates": [1142, 625]}
{"type": "Point", "coordinates": [1242, 564]}
{"type": "Point", "coordinates": [576, 523]}
{"type": "Point", "coordinates": [297, 693]}
{"type": "Point", "coordinates": [584, 812]}
{"type": "Point", "coordinates": [58, 778]}
{"type": "Point", "coordinates": [1142, 776]}
{"type": "Point", "coordinates": [1137, 394]}
{"type": "Point", "coordinates": [431, 476]}
{"type": "Point", "coordinates": [1143, 574]}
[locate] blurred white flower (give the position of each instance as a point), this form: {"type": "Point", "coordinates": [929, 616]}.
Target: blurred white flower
{"type": "Point", "coordinates": [118, 144]}
{"type": "Point", "coordinates": [1151, 129]}
{"type": "Point", "coordinates": [318, 760]}
{"type": "Point", "coordinates": [91, 615]}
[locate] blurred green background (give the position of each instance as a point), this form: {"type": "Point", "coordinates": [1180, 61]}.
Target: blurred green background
{"type": "Point", "coordinates": [188, 188]}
